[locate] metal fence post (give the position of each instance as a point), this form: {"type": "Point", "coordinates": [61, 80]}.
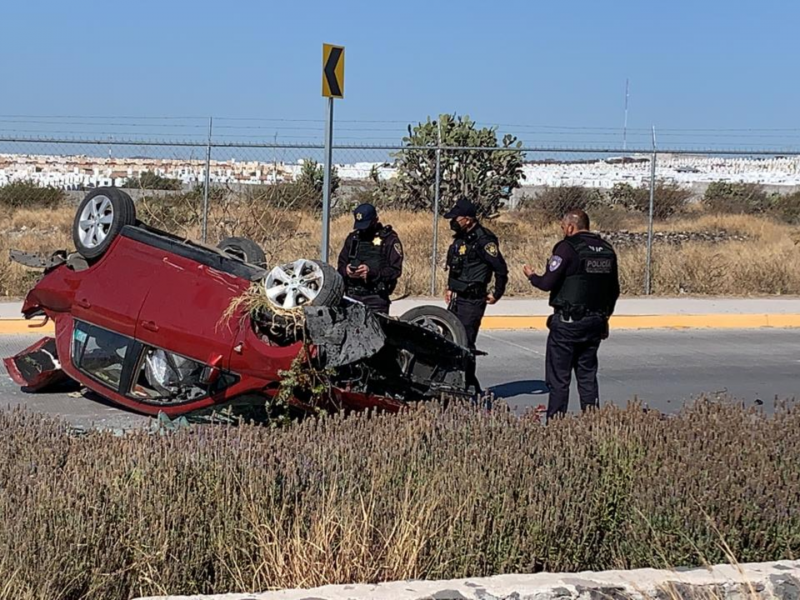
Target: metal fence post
{"type": "Point", "coordinates": [207, 180]}
{"type": "Point", "coordinates": [649, 263]}
{"type": "Point", "coordinates": [434, 250]}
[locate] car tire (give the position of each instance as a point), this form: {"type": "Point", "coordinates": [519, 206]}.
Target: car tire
{"type": "Point", "coordinates": [331, 294]}
{"type": "Point", "coordinates": [440, 320]}
{"type": "Point", "coordinates": [243, 249]}
{"type": "Point", "coordinates": [100, 217]}
{"type": "Point", "coordinates": [303, 283]}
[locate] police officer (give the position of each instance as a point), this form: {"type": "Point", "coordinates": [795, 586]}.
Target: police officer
{"type": "Point", "coordinates": [583, 282]}
{"type": "Point", "coordinates": [371, 260]}
{"type": "Point", "coordinates": [473, 257]}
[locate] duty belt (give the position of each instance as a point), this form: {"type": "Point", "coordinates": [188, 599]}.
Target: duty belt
{"type": "Point", "coordinates": [570, 315]}
{"type": "Point", "coordinates": [473, 294]}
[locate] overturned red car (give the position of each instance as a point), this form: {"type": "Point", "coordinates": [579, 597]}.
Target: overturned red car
{"type": "Point", "coordinates": [149, 321]}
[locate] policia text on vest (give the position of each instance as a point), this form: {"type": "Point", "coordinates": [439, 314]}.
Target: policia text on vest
{"type": "Point", "coordinates": [583, 281]}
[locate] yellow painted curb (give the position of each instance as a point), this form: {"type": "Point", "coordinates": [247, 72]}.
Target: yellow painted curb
{"type": "Point", "coordinates": [21, 326]}
{"type": "Point", "coordinates": [539, 322]}
{"type": "Point", "coordinates": [657, 322]}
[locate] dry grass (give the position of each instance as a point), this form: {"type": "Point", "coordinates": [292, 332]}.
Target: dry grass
{"type": "Point", "coordinates": [767, 263]}
{"type": "Point", "coordinates": [422, 494]}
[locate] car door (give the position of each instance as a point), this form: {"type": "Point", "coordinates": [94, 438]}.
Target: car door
{"type": "Point", "coordinates": [184, 310]}
{"type": "Point", "coordinates": [113, 290]}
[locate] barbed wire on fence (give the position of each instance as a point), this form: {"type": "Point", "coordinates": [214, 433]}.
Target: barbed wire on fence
{"type": "Point", "coordinates": [391, 132]}
{"type": "Point", "coordinates": [553, 148]}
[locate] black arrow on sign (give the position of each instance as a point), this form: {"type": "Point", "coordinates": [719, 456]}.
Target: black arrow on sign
{"type": "Point", "coordinates": [330, 71]}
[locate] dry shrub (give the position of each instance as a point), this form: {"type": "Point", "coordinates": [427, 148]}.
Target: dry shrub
{"type": "Point", "coordinates": [153, 181]}
{"type": "Point", "coordinates": [787, 208]}
{"type": "Point", "coordinates": [736, 198]}
{"type": "Point", "coordinates": [554, 202]}
{"type": "Point", "coordinates": [668, 199]}
{"type": "Point", "coordinates": [29, 194]}
{"type": "Point", "coordinates": [172, 212]}
{"type": "Point", "coordinates": [752, 199]}
{"type": "Point", "coordinates": [424, 494]}
{"type": "Point", "coordinates": [615, 218]}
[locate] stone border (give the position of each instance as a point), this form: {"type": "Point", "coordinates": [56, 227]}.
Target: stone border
{"type": "Point", "coordinates": [736, 582]}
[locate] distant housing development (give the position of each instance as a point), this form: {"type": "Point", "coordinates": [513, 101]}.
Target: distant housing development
{"type": "Point", "coordinates": [80, 171]}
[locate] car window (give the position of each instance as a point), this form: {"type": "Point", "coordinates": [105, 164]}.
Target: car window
{"type": "Point", "coordinates": [99, 353]}
{"type": "Point", "coordinates": [168, 378]}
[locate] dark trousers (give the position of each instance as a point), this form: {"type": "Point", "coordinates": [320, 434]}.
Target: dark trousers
{"type": "Point", "coordinates": [374, 302]}
{"type": "Point", "coordinates": [470, 312]}
{"type": "Point", "coordinates": [572, 346]}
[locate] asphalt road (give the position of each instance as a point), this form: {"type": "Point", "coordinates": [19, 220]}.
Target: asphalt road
{"type": "Point", "coordinates": [664, 369]}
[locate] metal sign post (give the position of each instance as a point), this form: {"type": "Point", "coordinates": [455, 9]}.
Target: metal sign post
{"type": "Point", "coordinates": [326, 185]}
{"type": "Point", "coordinates": [332, 87]}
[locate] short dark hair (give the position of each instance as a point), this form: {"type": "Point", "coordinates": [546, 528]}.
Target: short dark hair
{"type": "Point", "coordinates": [579, 218]}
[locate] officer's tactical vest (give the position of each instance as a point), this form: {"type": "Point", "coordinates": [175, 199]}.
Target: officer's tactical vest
{"type": "Point", "coordinates": [370, 252]}
{"type": "Point", "coordinates": [590, 289]}
{"type": "Point", "coordinates": [469, 273]}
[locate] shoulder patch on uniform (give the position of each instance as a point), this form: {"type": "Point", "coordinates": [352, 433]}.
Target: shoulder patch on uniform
{"type": "Point", "coordinates": [491, 249]}
{"type": "Point", "coordinates": [555, 262]}
{"type": "Point", "coordinates": [398, 247]}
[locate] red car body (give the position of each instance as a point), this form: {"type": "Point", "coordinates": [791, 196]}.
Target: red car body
{"type": "Point", "coordinates": [159, 292]}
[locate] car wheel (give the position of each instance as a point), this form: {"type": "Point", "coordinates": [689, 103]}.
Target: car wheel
{"type": "Point", "coordinates": [438, 320]}
{"type": "Point", "coordinates": [99, 219]}
{"type": "Point", "coordinates": [304, 283]}
{"type": "Point", "coordinates": [243, 249]}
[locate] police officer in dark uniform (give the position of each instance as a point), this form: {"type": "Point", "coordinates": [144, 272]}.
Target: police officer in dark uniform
{"type": "Point", "coordinates": [583, 281]}
{"type": "Point", "coordinates": [473, 257]}
{"type": "Point", "coordinates": [371, 260]}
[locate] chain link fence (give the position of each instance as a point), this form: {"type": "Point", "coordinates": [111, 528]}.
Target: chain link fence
{"type": "Point", "coordinates": [663, 210]}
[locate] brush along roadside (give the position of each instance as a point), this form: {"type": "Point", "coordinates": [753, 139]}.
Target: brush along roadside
{"type": "Point", "coordinates": [423, 494]}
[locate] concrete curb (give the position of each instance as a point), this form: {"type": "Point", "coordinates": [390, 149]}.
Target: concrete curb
{"type": "Point", "coordinates": [634, 322]}
{"type": "Point", "coordinates": [22, 327]}
{"type": "Point", "coordinates": [539, 322]}
{"type": "Point", "coordinates": [751, 581]}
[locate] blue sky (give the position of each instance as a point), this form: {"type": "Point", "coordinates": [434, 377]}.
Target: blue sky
{"type": "Point", "coordinates": [692, 65]}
